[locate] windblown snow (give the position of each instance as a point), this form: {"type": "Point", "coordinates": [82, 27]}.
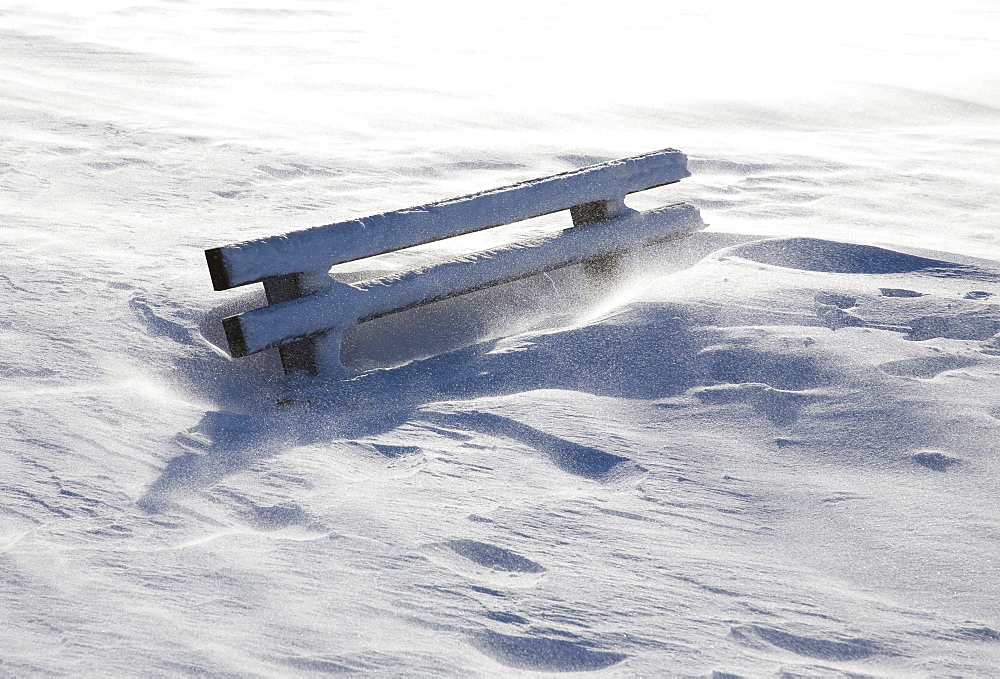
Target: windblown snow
{"type": "Point", "coordinates": [770, 448]}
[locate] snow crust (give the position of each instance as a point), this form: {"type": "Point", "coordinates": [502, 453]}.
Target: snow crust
{"type": "Point", "coordinates": [769, 448]}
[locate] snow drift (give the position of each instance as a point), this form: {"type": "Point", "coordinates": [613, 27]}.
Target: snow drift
{"type": "Point", "coordinates": [749, 456]}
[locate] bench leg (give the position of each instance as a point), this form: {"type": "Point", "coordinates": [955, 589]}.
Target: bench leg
{"type": "Point", "coordinates": [308, 353]}
{"type": "Point", "coordinates": [299, 355]}
{"type": "Point", "coordinates": [600, 269]}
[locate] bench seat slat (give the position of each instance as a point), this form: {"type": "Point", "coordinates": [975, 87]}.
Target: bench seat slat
{"type": "Point", "coordinates": [340, 306]}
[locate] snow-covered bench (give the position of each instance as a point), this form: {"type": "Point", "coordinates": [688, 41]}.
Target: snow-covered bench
{"type": "Point", "coordinates": [308, 310]}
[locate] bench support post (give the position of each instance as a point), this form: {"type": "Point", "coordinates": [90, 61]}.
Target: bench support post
{"type": "Point", "coordinates": [600, 269]}
{"type": "Point", "coordinates": [298, 354]}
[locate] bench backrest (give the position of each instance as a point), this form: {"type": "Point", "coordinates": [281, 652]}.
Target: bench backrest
{"type": "Point", "coordinates": [321, 247]}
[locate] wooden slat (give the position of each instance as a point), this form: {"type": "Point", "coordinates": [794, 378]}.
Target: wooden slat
{"type": "Point", "coordinates": [340, 306]}
{"type": "Point", "coordinates": [319, 248]}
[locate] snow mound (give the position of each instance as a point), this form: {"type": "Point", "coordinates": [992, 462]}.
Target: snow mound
{"type": "Point", "coordinates": [543, 655]}
{"type": "Point", "coordinates": [800, 405]}
{"type": "Point", "coordinates": [814, 254]}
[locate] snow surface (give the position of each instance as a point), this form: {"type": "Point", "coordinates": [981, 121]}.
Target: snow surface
{"type": "Point", "coordinates": [743, 457]}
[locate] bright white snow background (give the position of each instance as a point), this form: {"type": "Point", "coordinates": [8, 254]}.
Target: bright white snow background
{"type": "Point", "coordinates": [782, 457]}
